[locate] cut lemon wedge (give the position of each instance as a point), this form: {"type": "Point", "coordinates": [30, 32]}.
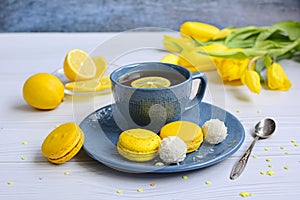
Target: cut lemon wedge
{"type": "Point", "coordinates": [101, 65]}
{"type": "Point", "coordinates": [151, 82]}
{"type": "Point", "coordinates": [78, 65]}
{"type": "Point", "coordinates": [89, 85]}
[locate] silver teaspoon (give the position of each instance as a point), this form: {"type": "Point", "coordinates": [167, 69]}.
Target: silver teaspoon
{"type": "Point", "coordinates": [263, 129]}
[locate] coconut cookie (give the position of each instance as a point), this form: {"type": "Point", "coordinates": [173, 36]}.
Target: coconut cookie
{"type": "Point", "coordinates": [214, 131]}
{"type": "Point", "coordinates": [172, 150]}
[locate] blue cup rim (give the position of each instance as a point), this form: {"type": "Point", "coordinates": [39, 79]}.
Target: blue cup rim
{"type": "Point", "coordinates": [133, 65]}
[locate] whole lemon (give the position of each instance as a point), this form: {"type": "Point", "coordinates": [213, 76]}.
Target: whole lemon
{"type": "Point", "coordinates": [43, 91]}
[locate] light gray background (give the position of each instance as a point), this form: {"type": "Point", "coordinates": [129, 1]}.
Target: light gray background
{"type": "Point", "coordinates": [117, 15]}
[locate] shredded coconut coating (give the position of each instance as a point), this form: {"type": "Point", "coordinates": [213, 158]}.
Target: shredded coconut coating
{"type": "Point", "coordinates": [172, 150]}
{"type": "Point", "coordinates": [214, 131]}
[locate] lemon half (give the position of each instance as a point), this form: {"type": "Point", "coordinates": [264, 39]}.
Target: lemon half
{"type": "Point", "coordinates": [151, 82]}
{"type": "Point", "coordinates": [78, 65]}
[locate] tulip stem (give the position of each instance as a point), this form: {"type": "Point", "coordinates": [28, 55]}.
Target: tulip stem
{"type": "Point", "coordinates": [274, 59]}
{"type": "Point", "coordinates": [252, 61]}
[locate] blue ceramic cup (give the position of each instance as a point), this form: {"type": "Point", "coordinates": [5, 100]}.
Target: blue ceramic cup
{"type": "Point", "coordinates": [151, 108]}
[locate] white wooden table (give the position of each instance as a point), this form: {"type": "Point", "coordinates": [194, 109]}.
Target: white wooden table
{"type": "Point", "coordinates": [26, 174]}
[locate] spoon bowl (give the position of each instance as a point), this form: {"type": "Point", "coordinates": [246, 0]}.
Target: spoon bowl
{"type": "Point", "coordinates": [263, 129]}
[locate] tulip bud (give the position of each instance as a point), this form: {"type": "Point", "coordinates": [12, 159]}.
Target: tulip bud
{"type": "Point", "coordinates": [252, 80]}
{"type": "Point", "coordinates": [277, 79]}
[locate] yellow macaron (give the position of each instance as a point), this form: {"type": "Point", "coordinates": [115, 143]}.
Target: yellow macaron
{"type": "Point", "coordinates": [63, 143]}
{"type": "Point", "coordinates": [189, 132]}
{"type": "Point", "coordinates": [138, 144]}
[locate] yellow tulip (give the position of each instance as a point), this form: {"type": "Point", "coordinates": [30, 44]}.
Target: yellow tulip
{"type": "Point", "coordinates": [232, 69]}
{"type": "Point", "coordinates": [200, 31]}
{"type": "Point", "coordinates": [277, 79]}
{"type": "Point", "coordinates": [174, 44]}
{"type": "Point", "coordinates": [252, 80]}
{"type": "Point", "coordinates": [223, 33]}
{"type": "Point", "coordinates": [216, 48]}
{"type": "Point", "coordinates": [170, 58]}
{"type": "Point", "coordinates": [195, 61]}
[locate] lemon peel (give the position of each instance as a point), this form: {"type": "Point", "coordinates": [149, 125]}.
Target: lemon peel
{"type": "Point", "coordinates": [10, 182]}
{"type": "Point", "coordinates": [270, 173]}
{"type": "Point", "coordinates": [245, 194]}
{"type": "Point", "coordinates": [120, 191]}
{"type": "Point", "coordinates": [207, 182]}
{"type": "Point", "coordinates": [184, 177]}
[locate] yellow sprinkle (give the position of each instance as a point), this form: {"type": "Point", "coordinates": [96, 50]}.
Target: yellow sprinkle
{"type": "Point", "coordinates": [25, 142]}
{"type": "Point", "coordinates": [286, 167]}
{"type": "Point", "coordinates": [152, 184]}
{"type": "Point", "coordinates": [245, 194]}
{"type": "Point", "coordinates": [254, 156]}
{"type": "Point", "coordinates": [207, 182]}
{"type": "Point", "coordinates": [266, 149]}
{"type": "Point", "coordinates": [282, 147]}
{"type": "Point", "coordinates": [10, 182]}
{"type": "Point", "coordinates": [238, 111]}
{"type": "Point", "coordinates": [67, 173]}
{"type": "Point", "coordinates": [120, 191]}
{"type": "Point", "coordinates": [268, 159]}
{"type": "Point", "coordinates": [293, 141]}
{"type": "Point", "coordinates": [140, 190]}
{"type": "Point", "coordinates": [184, 177]}
{"type": "Point", "coordinates": [296, 145]}
{"type": "Point", "coordinates": [270, 166]}
{"type": "Point", "coordinates": [287, 153]}
{"type": "Point", "coordinates": [258, 111]}
{"type": "Point", "coordinates": [270, 173]}
{"type": "Point", "coordinates": [23, 158]}
{"type": "Point", "coordinates": [262, 172]}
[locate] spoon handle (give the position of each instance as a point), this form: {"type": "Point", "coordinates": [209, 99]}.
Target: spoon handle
{"type": "Point", "coordinates": [240, 165]}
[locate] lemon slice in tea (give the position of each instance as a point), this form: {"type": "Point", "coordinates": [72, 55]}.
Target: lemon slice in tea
{"type": "Point", "coordinates": [151, 82]}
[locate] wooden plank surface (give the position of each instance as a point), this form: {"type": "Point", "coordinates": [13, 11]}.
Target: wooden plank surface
{"type": "Point", "coordinates": [83, 178]}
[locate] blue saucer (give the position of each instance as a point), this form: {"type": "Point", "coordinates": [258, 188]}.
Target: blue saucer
{"type": "Point", "coordinates": [102, 129]}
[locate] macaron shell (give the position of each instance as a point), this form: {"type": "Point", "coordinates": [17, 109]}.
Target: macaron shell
{"type": "Point", "coordinates": [195, 144]}
{"type": "Point", "coordinates": [70, 154]}
{"type": "Point", "coordinates": [136, 156]}
{"type": "Point", "coordinates": [138, 144]}
{"type": "Point", "coordinates": [61, 140]}
{"type": "Point", "coordinates": [139, 140]}
{"type": "Point", "coordinates": [189, 132]}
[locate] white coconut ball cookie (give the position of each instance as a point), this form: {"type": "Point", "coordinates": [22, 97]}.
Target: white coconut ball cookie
{"type": "Point", "coordinates": [214, 131]}
{"type": "Point", "coordinates": [172, 150]}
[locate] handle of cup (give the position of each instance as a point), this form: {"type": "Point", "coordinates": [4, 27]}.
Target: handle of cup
{"type": "Point", "coordinates": [201, 90]}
